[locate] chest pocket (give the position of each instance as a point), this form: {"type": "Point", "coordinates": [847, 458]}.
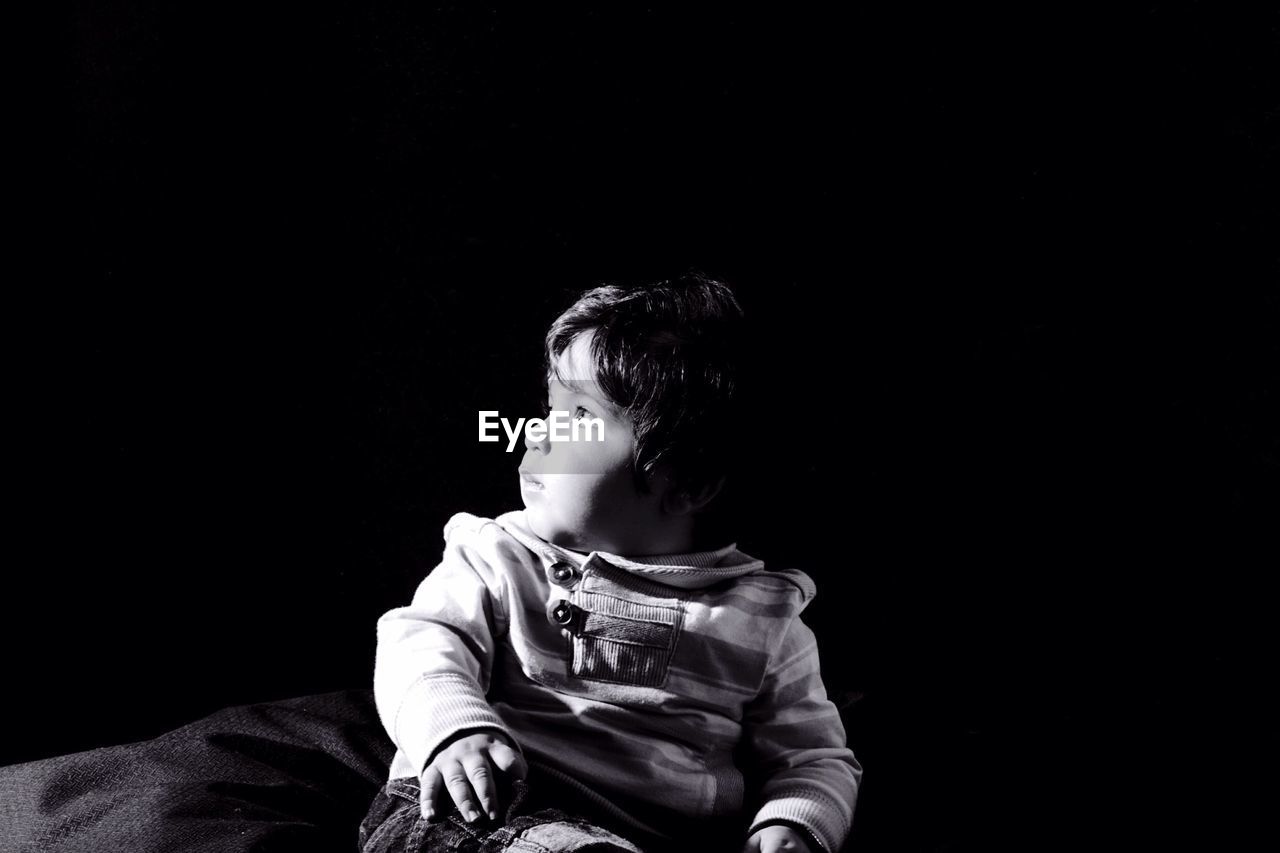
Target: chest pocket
{"type": "Point", "coordinates": [625, 641]}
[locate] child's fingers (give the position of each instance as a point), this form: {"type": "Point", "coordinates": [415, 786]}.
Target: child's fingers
{"type": "Point", "coordinates": [480, 775]}
{"type": "Point", "coordinates": [508, 760]}
{"type": "Point", "coordinates": [459, 788]}
{"type": "Point", "coordinates": [431, 784]}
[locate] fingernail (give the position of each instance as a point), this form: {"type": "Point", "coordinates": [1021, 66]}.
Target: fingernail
{"type": "Point", "coordinates": [472, 815]}
{"type": "Point", "coordinates": [428, 813]}
{"type": "Point", "coordinates": [493, 815]}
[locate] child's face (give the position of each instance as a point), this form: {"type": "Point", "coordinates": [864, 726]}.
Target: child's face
{"type": "Point", "coordinates": [580, 494]}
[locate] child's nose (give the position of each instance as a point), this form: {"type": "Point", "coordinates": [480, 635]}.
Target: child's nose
{"type": "Point", "coordinates": [544, 445]}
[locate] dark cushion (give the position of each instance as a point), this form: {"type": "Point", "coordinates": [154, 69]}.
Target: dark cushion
{"type": "Point", "coordinates": [277, 776]}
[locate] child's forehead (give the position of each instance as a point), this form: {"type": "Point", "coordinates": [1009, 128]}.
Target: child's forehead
{"type": "Point", "coordinates": [574, 372]}
{"type": "Point", "coordinates": [574, 367]}
{"type": "Point", "coordinates": [571, 386]}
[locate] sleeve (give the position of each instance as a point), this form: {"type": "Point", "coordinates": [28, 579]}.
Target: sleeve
{"type": "Point", "coordinates": [434, 657]}
{"type": "Point", "coordinates": [804, 773]}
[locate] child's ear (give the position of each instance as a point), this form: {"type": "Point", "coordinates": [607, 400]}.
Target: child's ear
{"type": "Point", "coordinates": [687, 500]}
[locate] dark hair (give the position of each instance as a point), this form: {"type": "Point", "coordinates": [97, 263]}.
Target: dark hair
{"type": "Point", "coordinates": [666, 352]}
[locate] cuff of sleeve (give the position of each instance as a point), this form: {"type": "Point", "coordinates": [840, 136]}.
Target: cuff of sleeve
{"type": "Point", "coordinates": [454, 704]}
{"type": "Point", "coordinates": [806, 808]}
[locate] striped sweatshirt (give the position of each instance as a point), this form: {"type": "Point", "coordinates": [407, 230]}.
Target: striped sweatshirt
{"type": "Point", "coordinates": [666, 689]}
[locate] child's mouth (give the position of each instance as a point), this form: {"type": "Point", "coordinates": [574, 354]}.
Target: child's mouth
{"type": "Point", "coordinates": [528, 482]}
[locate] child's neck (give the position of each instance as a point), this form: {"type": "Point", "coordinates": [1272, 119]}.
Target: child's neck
{"type": "Point", "coordinates": [674, 536]}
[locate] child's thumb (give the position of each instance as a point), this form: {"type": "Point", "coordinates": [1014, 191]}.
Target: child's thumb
{"type": "Point", "coordinates": [508, 760]}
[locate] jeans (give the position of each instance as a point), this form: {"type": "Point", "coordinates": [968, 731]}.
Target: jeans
{"type": "Point", "coordinates": [395, 823]}
{"type": "Point", "coordinates": [537, 816]}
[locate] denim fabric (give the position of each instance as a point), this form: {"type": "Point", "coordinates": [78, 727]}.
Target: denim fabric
{"type": "Point", "coordinates": [395, 824]}
{"type": "Point", "coordinates": [537, 815]}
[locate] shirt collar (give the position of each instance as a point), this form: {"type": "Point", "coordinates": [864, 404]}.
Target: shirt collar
{"type": "Point", "coordinates": [688, 571]}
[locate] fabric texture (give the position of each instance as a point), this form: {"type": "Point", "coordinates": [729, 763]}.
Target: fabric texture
{"type": "Point", "coordinates": [670, 690]}
{"type": "Point", "coordinates": [537, 816]}
{"type": "Point", "coordinates": [293, 775]}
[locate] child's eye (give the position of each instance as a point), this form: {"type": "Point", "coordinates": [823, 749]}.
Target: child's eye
{"type": "Point", "coordinates": [580, 412]}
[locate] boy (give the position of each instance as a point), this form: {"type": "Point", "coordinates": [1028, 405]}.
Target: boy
{"type": "Point", "coordinates": [588, 674]}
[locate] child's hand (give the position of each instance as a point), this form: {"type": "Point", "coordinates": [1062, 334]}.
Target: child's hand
{"type": "Point", "coordinates": [465, 767]}
{"type": "Point", "coordinates": [775, 839]}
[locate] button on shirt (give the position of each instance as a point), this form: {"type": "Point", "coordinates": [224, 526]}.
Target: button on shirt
{"type": "Point", "coordinates": [563, 573]}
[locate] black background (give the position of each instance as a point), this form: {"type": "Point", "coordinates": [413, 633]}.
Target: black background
{"type": "Point", "coordinates": [1012, 271]}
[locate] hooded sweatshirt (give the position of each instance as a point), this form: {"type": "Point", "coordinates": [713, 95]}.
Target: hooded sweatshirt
{"type": "Point", "coordinates": [665, 689]}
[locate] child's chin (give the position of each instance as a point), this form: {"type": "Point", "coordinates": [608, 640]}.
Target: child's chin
{"type": "Point", "coordinates": [543, 527]}
{"type": "Point", "coordinates": [534, 518]}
